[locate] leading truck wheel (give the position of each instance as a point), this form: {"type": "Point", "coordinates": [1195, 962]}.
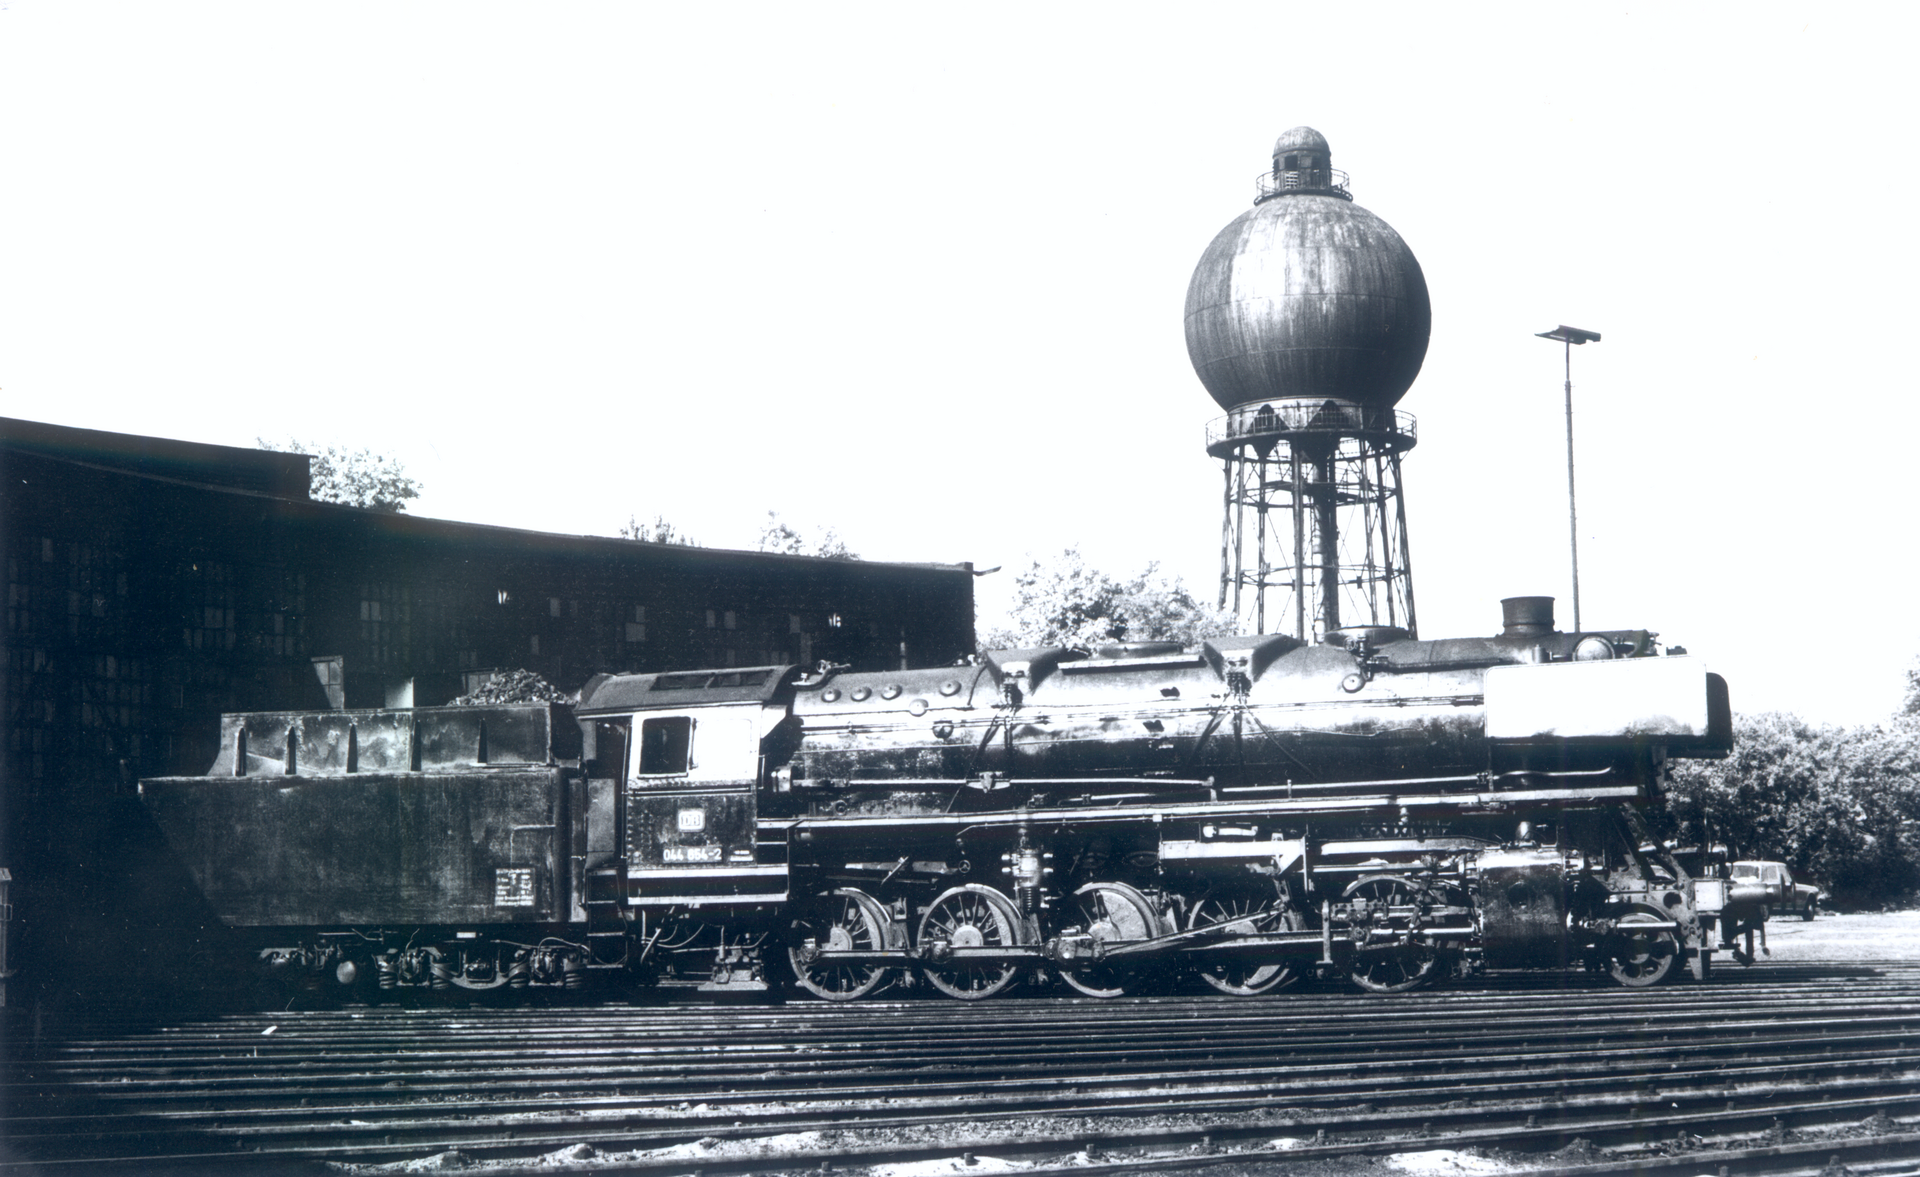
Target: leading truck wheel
{"type": "Point", "coordinates": [841, 920]}
{"type": "Point", "coordinates": [1391, 954]}
{"type": "Point", "coordinates": [1639, 957]}
{"type": "Point", "coordinates": [969, 916]}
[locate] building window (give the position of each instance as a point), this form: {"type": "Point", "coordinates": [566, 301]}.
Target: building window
{"type": "Point", "coordinates": [637, 625]}
{"type": "Point", "coordinates": [19, 615]}
{"type": "Point", "coordinates": [729, 619]}
{"type": "Point", "coordinates": [210, 620]}
{"type": "Point", "coordinates": [533, 643]}
{"type": "Point", "coordinates": [553, 606]}
{"type": "Point", "coordinates": [385, 621]}
{"type": "Point", "coordinates": [712, 619]}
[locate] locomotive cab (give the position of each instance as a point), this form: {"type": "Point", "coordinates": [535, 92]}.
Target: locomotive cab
{"type": "Point", "coordinates": [689, 765]}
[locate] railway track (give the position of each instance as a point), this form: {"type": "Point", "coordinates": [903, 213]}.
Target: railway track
{"type": "Point", "coordinates": [1772, 1069]}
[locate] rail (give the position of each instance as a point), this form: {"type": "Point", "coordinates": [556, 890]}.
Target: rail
{"type": "Point", "coordinates": [1805, 1063]}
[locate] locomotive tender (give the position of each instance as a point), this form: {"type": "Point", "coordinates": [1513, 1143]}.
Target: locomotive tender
{"type": "Point", "coordinates": [1246, 811]}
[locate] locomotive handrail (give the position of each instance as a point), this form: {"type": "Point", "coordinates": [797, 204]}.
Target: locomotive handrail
{"type": "Point", "coordinates": [1158, 782]}
{"type": "Point", "coordinates": [1161, 781]}
{"type": "Point", "coordinates": [1001, 781]}
{"type": "Point", "coordinates": [1489, 799]}
{"type": "Point", "coordinates": [1502, 784]}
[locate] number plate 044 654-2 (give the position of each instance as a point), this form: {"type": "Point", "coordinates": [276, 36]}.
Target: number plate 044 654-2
{"type": "Point", "coordinates": [690, 854]}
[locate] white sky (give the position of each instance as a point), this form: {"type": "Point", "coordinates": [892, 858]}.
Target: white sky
{"type": "Point", "coordinates": [917, 273]}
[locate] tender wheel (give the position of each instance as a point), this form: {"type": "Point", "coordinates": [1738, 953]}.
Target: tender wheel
{"type": "Point", "coordinates": [1253, 914]}
{"type": "Point", "coordinates": [478, 970]}
{"type": "Point", "coordinates": [1390, 953]}
{"type": "Point", "coordinates": [1111, 913]}
{"type": "Point", "coordinates": [1642, 957]}
{"type": "Point", "coordinates": [842, 920]}
{"type": "Point", "coordinates": [971, 916]}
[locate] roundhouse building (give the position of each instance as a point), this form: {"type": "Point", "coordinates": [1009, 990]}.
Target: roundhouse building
{"type": "Point", "coordinates": [153, 584]}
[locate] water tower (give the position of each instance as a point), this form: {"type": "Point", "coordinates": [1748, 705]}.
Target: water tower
{"type": "Point", "coordinates": [1307, 320]}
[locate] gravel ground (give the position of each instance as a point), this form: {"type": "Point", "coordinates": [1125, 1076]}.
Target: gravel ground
{"type": "Point", "coordinates": [1890, 935]}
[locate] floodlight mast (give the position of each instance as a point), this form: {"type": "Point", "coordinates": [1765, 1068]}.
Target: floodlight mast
{"type": "Point", "coordinates": [1571, 336]}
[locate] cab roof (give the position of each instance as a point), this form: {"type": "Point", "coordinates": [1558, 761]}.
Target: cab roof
{"type": "Point", "coordinates": [608, 694]}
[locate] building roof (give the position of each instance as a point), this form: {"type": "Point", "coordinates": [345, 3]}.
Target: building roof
{"type": "Point", "coordinates": [285, 476]}
{"type": "Point", "coordinates": [225, 467]}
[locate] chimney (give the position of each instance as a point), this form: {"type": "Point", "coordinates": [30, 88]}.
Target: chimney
{"type": "Point", "coordinates": [1526, 617]}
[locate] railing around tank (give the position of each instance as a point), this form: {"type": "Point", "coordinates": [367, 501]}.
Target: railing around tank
{"type": "Point", "coordinates": [1321, 418]}
{"type": "Point", "coordinates": [1330, 181]}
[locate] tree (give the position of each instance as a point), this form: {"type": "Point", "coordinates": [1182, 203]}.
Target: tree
{"type": "Point", "coordinates": [355, 478]}
{"type": "Point", "coordinates": [776, 535]}
{"type": "Point", "coordinates": [657, 532]}
{"type": "Point", "coordinates": [1840, 805]}
{"type": "Point", "coordinates": [1065, 602]}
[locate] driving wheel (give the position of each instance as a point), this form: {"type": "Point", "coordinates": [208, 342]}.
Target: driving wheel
{"type": "Point", "coordinates": [970, 916]}
{"type": "Point", "coordinates": [1250, 915]}
{"type": "Point", "coordinates": [843, 920]}
{"type": "Point", "coordinates": [1111, 914]}
{"type": "Point", "coordinates": [1391, 953]}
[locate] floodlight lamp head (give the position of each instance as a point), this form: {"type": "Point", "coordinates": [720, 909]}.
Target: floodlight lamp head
{"type": "Point", "coordinates": [1570, 335]}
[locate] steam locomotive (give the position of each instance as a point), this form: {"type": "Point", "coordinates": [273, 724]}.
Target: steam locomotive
{"type": "Point", "coordinates": [1242, 813]}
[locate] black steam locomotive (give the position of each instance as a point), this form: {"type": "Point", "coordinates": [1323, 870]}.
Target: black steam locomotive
{"type": "Point", "coordinates": [1245, 811]}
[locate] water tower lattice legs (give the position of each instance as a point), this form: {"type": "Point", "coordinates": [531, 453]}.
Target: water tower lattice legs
{"type": "Point", "coordinates": [1337, 518]}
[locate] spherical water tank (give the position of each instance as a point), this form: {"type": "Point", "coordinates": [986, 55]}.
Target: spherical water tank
{"type": "Point", "coordinates": [1306, 294]}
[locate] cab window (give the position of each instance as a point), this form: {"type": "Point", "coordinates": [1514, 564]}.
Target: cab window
{"type": "Point", "coordinates": [665, 745]}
